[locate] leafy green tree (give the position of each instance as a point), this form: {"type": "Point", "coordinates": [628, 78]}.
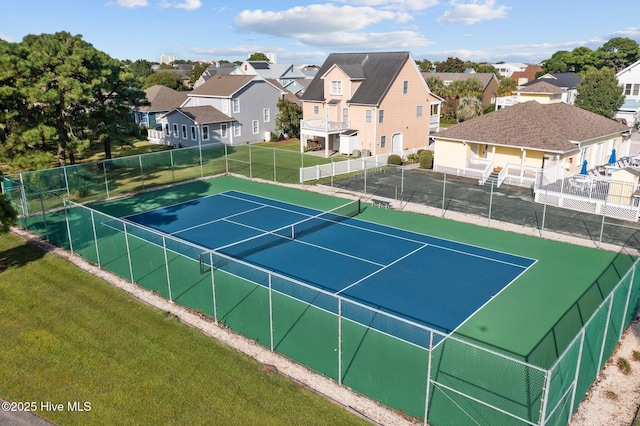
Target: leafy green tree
{"type": "Point", "coordinates": [506, 86]}
{"type": "Point", "coordinates": [582, 58]}
{"type": "Point", "coordinates": [8, 215]}
{"type": "Point", "coordinates": [436, 85]}
{"type": "Point", "coordinates": [469, 107]}
{"type": "Point", "coordinates": [196, 72]}
{"type": "Point", "coordinates": [618, 53]}
{"type": "Point", "coordinates": [164, 78]}
{"type": "Point", "coordinates": [425, 65]}
{"type": "Point", "coordinates": [258, 56]}
{"type": "Point", "coordinates": [557, 63]}
{"type": "Point", "coordinates": [63, 90]}
{"type": "Point", "coordinates": [141, 69]}
{"type": "Point", "coordinates": [288, 119]}
{"type": "Point", "coordinates": [451, 65]}
{"type": "Point", "coordinates": [599, 92]}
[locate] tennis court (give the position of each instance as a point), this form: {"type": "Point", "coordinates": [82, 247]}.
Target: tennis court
{"type": "Point", "coordinates": [428, 280]}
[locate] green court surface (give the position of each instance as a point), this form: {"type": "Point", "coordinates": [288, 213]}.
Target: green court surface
{"type": "Point", "coordinates": [533, 320]}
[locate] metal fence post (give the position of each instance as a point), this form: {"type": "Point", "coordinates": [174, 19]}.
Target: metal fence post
{"type": "Point", "coordinates": [166, 266]}
{"type": "Point", "coordinates": [213, 289]}
{"type": "Point", "coordinates": [490, 202]}
{"type": "Point", "coordinates": [95, 238]}
{"type": "Point", "coordinates": [606, 331]}
{"type": "Point", "coordinates": [66, 215]}
{"type": "Point", "coordinates": [427, 395]}
{"type": "Point", "coordinates": [173, 174]}
{"type": "Point", "coordinates": [106, 180]}
{"type": "Point", "coordinates": [575, 380]}
{"type": "Point", "coordinates": [274, 166]}
{"type": "Point", "coordinates": [340, 340]}
{"type": "Point", "coordinates": [66, 181]}
{"type": "Point", "coordinates": [250, 164]}
{"type": "Point", "coordinates": [226, 159]}
{"type": "Point", "coordinates": [141, 170]}
{"type": "Point", "coordinates": [444, 191]}
{"type": "Point", "coordinates": [44, 216]}
{"type": "Point", "coordinates": [126, 241]}
{"type": "Point", "coordinates": [270, 313]}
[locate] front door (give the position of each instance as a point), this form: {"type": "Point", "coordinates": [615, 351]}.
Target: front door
{"type": "Point", "coordinates": [396, 143]}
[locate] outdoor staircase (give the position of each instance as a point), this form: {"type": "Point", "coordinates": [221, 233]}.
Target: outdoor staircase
{"type": "Point", "coordinates": [492, 179]}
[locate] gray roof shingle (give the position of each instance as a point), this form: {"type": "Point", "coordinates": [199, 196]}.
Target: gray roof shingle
{"type": "Point", "coordinates": [553, 127]}
{"type": "Point", "coordinates": [205, 114]}
{"type": "Point", "coordinates": [222, 85]}
{"type": "Point", "coordinates": [162, 98]}
{"type": "Point", "coordinates": [376, 71]}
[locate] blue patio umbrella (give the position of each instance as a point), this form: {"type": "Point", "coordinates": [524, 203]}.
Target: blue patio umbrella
{"type": "Point", "coordinates": [612, 159]}
{"type": "Point", "coordinates": [583, 170]}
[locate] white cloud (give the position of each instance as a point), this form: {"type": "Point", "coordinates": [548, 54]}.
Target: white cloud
{"type": "Point", "coordinates": [399, 4]}
{"type": "Point", "coordinates": [473, 12]}
{"type": "Point", "coordinates": [184, 4]}
{"type": "Point", "coordinates": [132, 3]}
{"type": "Point", "coordinates": [367, 41]}
{"type": "Point", "coordinates": [307, 20]}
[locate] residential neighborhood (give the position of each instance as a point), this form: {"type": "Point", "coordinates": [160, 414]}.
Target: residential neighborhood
{"type": "Point", "coordinates": [314, 223]}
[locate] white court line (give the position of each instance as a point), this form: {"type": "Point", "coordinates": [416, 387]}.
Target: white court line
{"type": "Point", "coordinates": [383, 268]}
{"type": "Point", "coordinates": [216, 220]}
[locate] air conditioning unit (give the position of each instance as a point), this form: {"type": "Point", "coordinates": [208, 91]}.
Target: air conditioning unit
{"type": "Point", "coordinates": [366, 153]}
{"type": "Point", "coordinates": [356, 153]}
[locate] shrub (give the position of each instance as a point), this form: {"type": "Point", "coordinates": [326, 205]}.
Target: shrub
{"type": "Point", "coordinates": [426, 159]}
{"type": "Point", "coordinates": [394, 160]}
{"type": "Point", "coordinates": [413, 158]}
{"type": "Point", "coordinates": [624, 365]}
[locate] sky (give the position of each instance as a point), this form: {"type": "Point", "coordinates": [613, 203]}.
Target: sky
{"type": "Point", "coordinates": [306, 32]}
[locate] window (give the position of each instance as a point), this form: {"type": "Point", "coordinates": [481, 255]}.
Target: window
{"type": "Point", "coordinates": [193, 133]}
{"type": "Point", "coordinates": [316, 110]}
{"type": "Point", "coordinates": [419, 111]}
{"type": "Point", "coordinates": [383, 141]}
{"type": "Point", "coordinates": [345, 114]}
{"type": "Point", "coordinates": [167, 130]}
{"type": "Point", "coordinates": [627, 89]}
{"type": "Point", "coordinates": [255, 127]}
{"type": "Point", "coordinates": [235, 102]}
{"type": "Point", "coordinates": [636, 90]}
{"type": "Point", "coordinates": [237, 129]}
{"type": "Point", "coordinates": [184, 131]}
{"type": "Point", "coordinates": [223, 130]}
{"type": "Point", "coordinates": [336, 87]}
{"type": "Point", "coordinates": [266, 115]}
{"type": "Point", "coordinates": [205, 133]}
{"type": "Point", "coordinates": [367, 116]}
{"type": "Point", "coordinates": [225, 106]}
{"type": "Point", "coordinates": [381, 116]}
{"type": "Point", "coordinates": [175, 130]}
{"type": "Point", "coordinates": [405, 87]}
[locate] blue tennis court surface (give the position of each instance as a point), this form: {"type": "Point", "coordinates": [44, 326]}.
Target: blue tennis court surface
{"type": "Point", "coordinates": [432, 281]}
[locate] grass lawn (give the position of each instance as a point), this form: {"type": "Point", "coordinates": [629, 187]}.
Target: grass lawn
{"type": "Point", "coordinates": [68, 336]}
{"type": "Point", "coordinates": [138, 146]}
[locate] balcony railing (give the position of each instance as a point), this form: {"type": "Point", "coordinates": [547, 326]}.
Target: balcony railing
{"type": "Point", "coordinates": [320, 124]}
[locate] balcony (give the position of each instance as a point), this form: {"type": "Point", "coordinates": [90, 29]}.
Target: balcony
{"type": "Point", "coordinates": [320, 125]}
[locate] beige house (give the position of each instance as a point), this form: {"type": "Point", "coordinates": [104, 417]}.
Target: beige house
{"type": "Point", "coordinates": [368, 104]}
{"type": "Point", "coordinates": [528, 138]}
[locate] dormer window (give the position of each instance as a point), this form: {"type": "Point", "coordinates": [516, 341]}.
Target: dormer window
{"type": "Point", "coordinates": [336, 87]}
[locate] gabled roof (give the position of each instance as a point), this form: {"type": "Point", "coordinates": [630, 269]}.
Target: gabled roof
{"type": "Point", "coordinates": [222, 85]}
{"type": "Point", "coordinates": [202, 114]}
{"type": "Point", "coordinates": [554, 127]}
{"type": "Point", "coordinates": [529, 73]}
{"type": "Point", "coordinates": [570, 80]}
{"type": "Point", "coordinates": [628, 69]}
{"type": "Point", "coordinates": [376, 70]}
{"type": "Point", "coordinates": [162, 98]}
{"type": "Point", "coordinates": [541, 86]}
{"type": "Point", "coordinates": [484, 77]}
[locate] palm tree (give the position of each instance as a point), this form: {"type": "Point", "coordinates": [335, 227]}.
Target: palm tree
{"type": "Point", "coordinates": [469, 107]}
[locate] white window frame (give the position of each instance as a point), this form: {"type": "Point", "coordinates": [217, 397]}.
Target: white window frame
{"type": "Point", "coordinates": [176, 131]}
{"type": "Point", "coordinates": [194, 133]}
{"type": "Point", "coordinates": [184, 132]}
{"type": "Point", "coordinates": [383, 141]}
{"type": "Point", "coordinates": [266, 115]}
{"type": "Point", "coordinates": [235, 103]}
{"type": "Point", "coordinates": [255, 126]}
{"type": "Point", "coordinates": [205, 133]}
{"type": "Point", "coordinates": [224, 133]}
{"type": "Point", "coordinates": [167, 129]}
{"type": "Point", "coordinates": [336, 87]}
{"type": "Point", "coordinates": [237, 129]}
{"type": "Point", "coordinates": [405, 87]}
{"type": "Point", "coordinates": [316, 110]}
{"type": "Point", "coordinates": [368, 116]}
{"type": "Point", "coordinates": [380, 116]}
{"type": "Point", "coordinates": [419, 111]}
{"type": "Point", "coordinates": [345, 114]}
{"type": "Point", "coordinates": [225, 106]}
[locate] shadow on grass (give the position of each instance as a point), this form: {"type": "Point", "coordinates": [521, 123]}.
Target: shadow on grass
{"type": "Point", "coordinates": [19, 256]}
